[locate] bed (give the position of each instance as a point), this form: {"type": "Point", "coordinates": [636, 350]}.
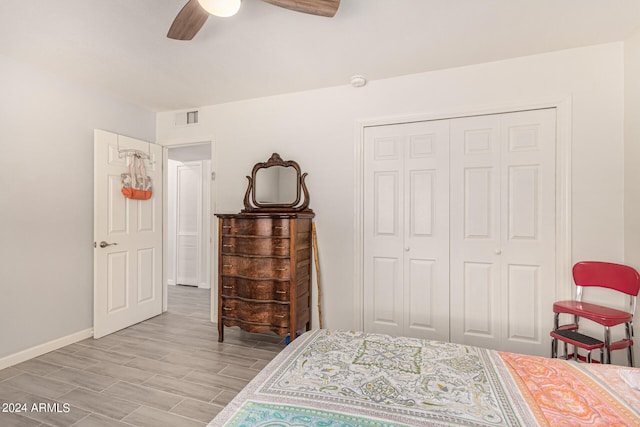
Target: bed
{"type": "Point", "coordinates": [346, 378]}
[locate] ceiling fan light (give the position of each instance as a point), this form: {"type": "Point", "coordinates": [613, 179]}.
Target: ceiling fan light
{"type": "Point", "coordinates": [221, 8]}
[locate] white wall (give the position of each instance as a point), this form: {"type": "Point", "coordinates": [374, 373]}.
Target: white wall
{"type": "Point", "coordinates": [46, 201]}
{"type": "Point", "coordinates": [632, 150]}
{"type": "Point", "coordinates": [632, 158]}
{"type": "Point", "coordinates": [318, 128]}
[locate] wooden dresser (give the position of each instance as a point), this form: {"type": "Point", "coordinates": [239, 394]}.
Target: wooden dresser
{"type": "Point", "coordinates": [264, 272]}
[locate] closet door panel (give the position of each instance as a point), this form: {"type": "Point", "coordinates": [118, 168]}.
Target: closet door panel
{"type": "Point", "coordinates": [406, 229]}
{"type": "Point", "coordinates": [422, 203]}
{"type": "Point", "coordinates": [475, 231]}
{"type": "Point", "coordinates": [386, 298]}
{"type": "Point", "coordinates": [479, 206]}
{"type": "Point", "coordinates": [522, 194]}
{"type": "Point", "coordinates": [503, 180]}
{"type": "Point", "coordinates": [523, 292]}
{"type": "Point", "coordinates": [528, 243]}
{"type": "Point", "coordinates": [383, 269]}
{"type": "Point", "coordinates": [386, 197]}
{"type": "Point", "coordinates": [478, 305]}
{"type": "Point", "coordinates": [422, 312]}
{"type": "Point", "coordinates": [426, 230]}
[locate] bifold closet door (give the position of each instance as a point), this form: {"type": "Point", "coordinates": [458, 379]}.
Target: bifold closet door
{"type": "Point", "coordinates": [503, 230]}
{"type": "Point", "coordinates": [406, 229]}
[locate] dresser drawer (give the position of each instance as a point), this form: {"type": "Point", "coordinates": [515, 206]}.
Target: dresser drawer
{"type": "Point", "coordinates": [273, 290]}
{"type": "Point", "coordinates": [255, 246]}
{"type": "Point", "coordinates": [268, 227]}
{"type": "Point", "coordinates": [258, 267]}
{"type": "Point", "coordinates": [256, 313]}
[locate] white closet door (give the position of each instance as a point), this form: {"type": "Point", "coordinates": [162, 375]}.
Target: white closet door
{"type": "Point", "coordinates": [188, 223]}
{"type": "Point", "coordinates": [475, 230]}
{"type": "Point", "coordinates": [528, 229]}
{"type": "Point", "coordinates": [406, 229]}
{"type": "Point", "coordinates": [503, 230]}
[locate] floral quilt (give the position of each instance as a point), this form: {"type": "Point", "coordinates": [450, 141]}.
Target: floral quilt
{"type": "Point", "coordinates": [346, 378]}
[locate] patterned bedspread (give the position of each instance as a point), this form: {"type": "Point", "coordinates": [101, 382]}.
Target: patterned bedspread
{"type": "Point", "coordinates": [338, 378]}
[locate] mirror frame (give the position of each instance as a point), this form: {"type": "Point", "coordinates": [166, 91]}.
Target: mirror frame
{"type": "Point", "coordinates": [252, 205]}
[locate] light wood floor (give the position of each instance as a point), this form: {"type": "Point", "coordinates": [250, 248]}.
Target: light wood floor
{"type": "Point", "coordinates": [167, 371]}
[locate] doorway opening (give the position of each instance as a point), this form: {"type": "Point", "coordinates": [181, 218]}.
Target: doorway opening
{"type": "Point", "coordinates": [188, 226]}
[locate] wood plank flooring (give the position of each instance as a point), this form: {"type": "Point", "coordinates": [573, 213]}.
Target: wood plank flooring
{"type": "Point", "coordinates": [167, 371]}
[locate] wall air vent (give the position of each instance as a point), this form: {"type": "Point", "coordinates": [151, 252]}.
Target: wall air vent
{"type": "Point", "coordinates": [186, 118]}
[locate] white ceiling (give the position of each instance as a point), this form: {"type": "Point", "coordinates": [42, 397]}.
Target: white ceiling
{"type": "Point", "coordinates": [120, 46]}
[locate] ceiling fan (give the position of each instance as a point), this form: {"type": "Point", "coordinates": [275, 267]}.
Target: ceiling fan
{"type": "Point", "coordinates": [194, 14]}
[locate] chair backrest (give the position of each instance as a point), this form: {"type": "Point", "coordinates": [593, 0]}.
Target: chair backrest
{"type": "Point", "coordinates": [618, 277]}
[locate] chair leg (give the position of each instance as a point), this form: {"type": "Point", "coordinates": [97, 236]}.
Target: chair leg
{"type": "Point", "coordinates": [629, 332]}
{"type": "Point", "coordinates": [607, 343]}
{"type": "Point", "coordinates": [554, 341]}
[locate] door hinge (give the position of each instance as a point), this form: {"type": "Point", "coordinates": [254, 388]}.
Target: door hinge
{"type": "Point", "coordinates": [213, 176]}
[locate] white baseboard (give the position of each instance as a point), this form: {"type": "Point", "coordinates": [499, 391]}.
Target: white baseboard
{"type": "Point", "coordinates": [170, 282]}
{"type": "Point", "coordinates": [204, 285]}
{"type": "Point", "coordinates": [39, 350]}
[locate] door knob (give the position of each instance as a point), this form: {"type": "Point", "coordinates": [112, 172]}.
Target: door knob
{"type": "Point", "coordinates": [104, 244]}
{"type": "Point", "coordinates": [498, 251]}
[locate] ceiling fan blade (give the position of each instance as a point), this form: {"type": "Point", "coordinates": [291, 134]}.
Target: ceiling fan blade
{"type": "Point", "coordinates": [326, 8]}
{"type": "Point", "coordinates": [188, 21]}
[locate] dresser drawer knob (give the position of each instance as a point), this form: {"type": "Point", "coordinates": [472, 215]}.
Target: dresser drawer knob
{"type": "Point", "coordinates": [280, 316]}
{"type": "Point", "coordinates": [281, 292]}
{"type": "Point", "coordinates": [279, 227]}
{"type": "Point", "coordinates": [227, 265]}
{"type": "Point", "coordinates": [281, 269]}
{"type": "Point", "coordinates": [227, 308]}
{"type": "Point", "coordinates": [227, 246]}
{"type": "Point", "coordinates": [227, 287]}
{"type": "Point", "coordinates": [226, 226]}
{"type": "Point", "coordinates": [279, 247]}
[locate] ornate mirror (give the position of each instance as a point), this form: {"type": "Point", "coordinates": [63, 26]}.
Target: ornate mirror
{"type": "Point", "coordinates": [276, 186]}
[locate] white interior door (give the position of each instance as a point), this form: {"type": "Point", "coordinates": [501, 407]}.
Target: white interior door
{"type": "Point", "coordinates": [406, 241]}
{"type": "Point", "coordinates": [503, 230]}
{"type": "Point", "coordinates": [128, 269]}
{"type": "Point", "coordinates": [188, 223]}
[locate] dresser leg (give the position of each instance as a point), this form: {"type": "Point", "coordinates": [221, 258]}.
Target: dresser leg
{"type": "Point", "coordinates": [220, 332]}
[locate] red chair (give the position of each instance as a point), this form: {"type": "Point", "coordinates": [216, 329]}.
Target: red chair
{"type": "Point", "coordinates": [618, 277]}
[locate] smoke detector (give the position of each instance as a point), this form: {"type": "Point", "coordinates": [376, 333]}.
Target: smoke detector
{"type": "Point", "coordinates": [358, 80]}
